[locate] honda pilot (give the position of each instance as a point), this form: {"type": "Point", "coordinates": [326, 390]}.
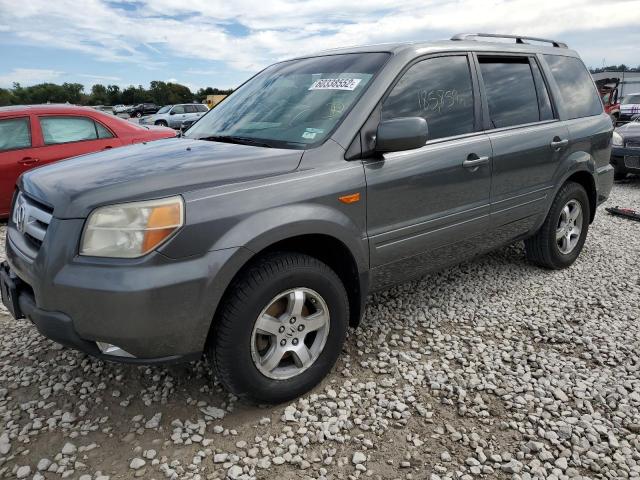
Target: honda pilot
{"type": "Point", "coordinates": [256, 237]}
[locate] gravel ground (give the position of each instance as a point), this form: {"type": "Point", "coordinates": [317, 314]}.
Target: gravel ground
{"type": "Point", "coordinates": [492, 369]}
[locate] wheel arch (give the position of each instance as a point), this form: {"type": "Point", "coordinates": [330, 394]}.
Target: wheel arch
{"type": "Point", "coordinates": [327, 248]}
{"type": "Point", "coordinates": [585, 178]}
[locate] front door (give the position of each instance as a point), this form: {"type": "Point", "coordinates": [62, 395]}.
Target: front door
{"type": "Point", "coordinates": [429, 207]}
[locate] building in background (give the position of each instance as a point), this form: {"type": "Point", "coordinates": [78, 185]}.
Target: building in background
{"type": "Point", "coordinates": [213, 100]}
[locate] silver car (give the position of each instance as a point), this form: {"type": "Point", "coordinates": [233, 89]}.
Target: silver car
{"type": "Point", "coordinates": [173, 115]}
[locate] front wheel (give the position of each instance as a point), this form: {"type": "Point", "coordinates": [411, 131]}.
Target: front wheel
{"type": "Point", "coordinates": [161, 123]}
{"type": "Point", "coordinates": [281, 328]}
{"type": "Point", "coordinates": [560, 239]}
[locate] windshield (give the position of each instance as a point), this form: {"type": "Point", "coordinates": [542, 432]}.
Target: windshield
{"type": "Point", "coordinates": [292, 104]}
{"type": "Point", "coordinates": [165, 109]}
{"type": "Point", "coordinates": [631, 99]}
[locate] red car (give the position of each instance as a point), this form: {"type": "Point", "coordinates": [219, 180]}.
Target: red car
{"type": "Point", "coordinates": [39, 134]}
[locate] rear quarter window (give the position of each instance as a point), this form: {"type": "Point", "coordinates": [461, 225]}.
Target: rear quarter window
{"type": "Point", "coordinates": [578, 93]}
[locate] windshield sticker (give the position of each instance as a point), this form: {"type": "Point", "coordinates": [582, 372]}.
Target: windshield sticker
{"type": "Point", "coordinates": [335, 84]}
{"type": "Point", "coordinates": [315, 130]}
{"type": "Point", "coordinates": [309, 135]}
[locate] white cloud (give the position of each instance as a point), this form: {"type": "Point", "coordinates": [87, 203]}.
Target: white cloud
{"type": "Point", "coordinates": [276, 29]}
{"type": "Point", "coordinates": [28, 76]}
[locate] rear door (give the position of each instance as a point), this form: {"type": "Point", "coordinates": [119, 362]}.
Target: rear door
{"type": "Point", "coordinates": [428, 207]}
{"type": "Point", "coordinates": [65, 136]}
{"type": "Point", "coordinates": [16, 155]}
{"type": "Point", "coordinates": [528, 141]}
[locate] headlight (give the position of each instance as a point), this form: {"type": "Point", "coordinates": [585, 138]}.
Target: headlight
{"type": "Point", "coordinates": [131, 230]}
{"type": "Point", "coordinates": [617, 140]}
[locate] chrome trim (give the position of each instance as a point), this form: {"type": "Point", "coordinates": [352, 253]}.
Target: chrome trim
{"type": "Point", "coordinates": [29, 218]}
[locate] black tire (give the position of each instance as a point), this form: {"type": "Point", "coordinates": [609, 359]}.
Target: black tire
{"type": "Point", "coordinates": [265, 279]}
{"type": "Point", "coordinates": [542, 248]}
{"type": "Point", "coordinates": [162, 123]}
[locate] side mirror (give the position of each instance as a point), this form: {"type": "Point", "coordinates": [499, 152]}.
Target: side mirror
{"type": "Point", "coordinates": [400, 134]}
{"type": "Point", "coordinates": [172, 112]}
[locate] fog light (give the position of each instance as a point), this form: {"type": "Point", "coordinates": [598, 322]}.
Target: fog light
{"type": "Point", "coordinates": [113, 350]}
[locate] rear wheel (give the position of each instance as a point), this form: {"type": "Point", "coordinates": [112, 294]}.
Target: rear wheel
{"type": "Point", "coordinates": [281, 329]}
{"type": "Point", "coordinates": [560, 239]}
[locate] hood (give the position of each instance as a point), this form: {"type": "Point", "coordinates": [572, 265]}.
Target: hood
{"type": "Point", "coordinates": [629, 130]}
{"type": "Point", "coordinates": [76, 186]}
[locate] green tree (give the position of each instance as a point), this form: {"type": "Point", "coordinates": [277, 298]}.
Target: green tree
{"type": "Point", "coordinates": [99, 95]}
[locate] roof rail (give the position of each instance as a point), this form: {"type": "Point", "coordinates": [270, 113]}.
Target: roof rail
{"type": "Point", "coordinates": [517, 38]}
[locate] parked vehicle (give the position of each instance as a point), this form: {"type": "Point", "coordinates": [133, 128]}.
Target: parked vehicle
{"type": "Point", "coordinates": [186, 125]}
{"type": "Point", "coordinates": [629, 107]}
{"type": "Point", "coordinates": [257, 236]}
{"type": "Point", "coordinates": [173, 115]}
{"type": "Point", "coordinates": [31, 136]}
{"type": "Point", "coordinates": [625, 154]}
{"type": "Point", "coordinates": [116, 109]}
{"type": "Point", "coordinates": [608, 89]}
{"type": "Point", "coordinates": [143, 109]}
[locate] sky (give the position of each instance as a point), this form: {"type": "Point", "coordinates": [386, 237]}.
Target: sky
{"type": "Point", "coordinates": [217, 43]}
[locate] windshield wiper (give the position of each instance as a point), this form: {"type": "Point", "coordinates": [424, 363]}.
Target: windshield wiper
{"type": "Point", "coordinates": [237, 140]}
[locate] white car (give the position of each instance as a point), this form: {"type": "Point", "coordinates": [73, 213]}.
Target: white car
{"type": "Point", "coordinates": [116, 109]}
{"type": "Point", "coordinates": [629, 107]}
{"type": "Point", "coordinates": [173, 115]}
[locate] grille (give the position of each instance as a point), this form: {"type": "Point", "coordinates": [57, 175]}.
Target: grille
{"type": "Point", "coordinates": [635, 143]}
{"type": "Point", "coordinates": [31, 219]}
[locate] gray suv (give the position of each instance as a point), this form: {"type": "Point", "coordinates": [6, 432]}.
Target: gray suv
{"type": "Point", "coordinates": [256, 237]}
{"type": "Point", "coordinates": [173, 115]}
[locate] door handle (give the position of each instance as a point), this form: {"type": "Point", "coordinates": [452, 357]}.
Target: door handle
{"type": "Point", "coordinates": [558, 144]}
{"type": "Point", "coordinates": [474, 161]}
{"type": "Point", "coordinates": [28, 161]}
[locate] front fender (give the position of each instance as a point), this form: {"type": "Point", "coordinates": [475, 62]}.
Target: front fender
{"type": "Point", "coordinates": [263, 229]}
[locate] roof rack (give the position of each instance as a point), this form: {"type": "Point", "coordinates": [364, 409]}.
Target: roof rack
{"type": "Point", "coordinates": [517, 38]}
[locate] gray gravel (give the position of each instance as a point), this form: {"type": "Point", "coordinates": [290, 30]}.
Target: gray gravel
{"type": "Point", "coordinates": [493, 369]}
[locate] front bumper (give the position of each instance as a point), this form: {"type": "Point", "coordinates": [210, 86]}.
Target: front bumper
{"type": "Point", "coordinates": [155, 308]}
{"type": "Point", "coordinates": [626, 160]}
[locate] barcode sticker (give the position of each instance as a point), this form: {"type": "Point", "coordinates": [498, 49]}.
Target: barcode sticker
{"type": "Point", "coordinates": [335, 84]}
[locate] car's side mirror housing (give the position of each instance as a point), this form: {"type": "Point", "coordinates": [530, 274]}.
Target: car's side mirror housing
{"type": "Point", "coordinates": [400, 134]}
{"type": "Point", "coordinates": [172, 112]}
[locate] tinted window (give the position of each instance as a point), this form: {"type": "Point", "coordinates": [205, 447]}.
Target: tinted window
{"type": "Point", "coordinates": [67, 129]}
{"type": "Point", "coordinates": [544, 101]}
{"type": "Point", "coordinates": [511, 92]}
{"type": "Point", "coordinates": [631, 100]}
{"type": "Point", "coordinates": [202, 108]}
{"type": "Point", "coordinates": [190, 109]}
{"type": "Point", "coordinates": [577, 90]}
{"type": "Point", "coordinates": [15, 133]}
{"type": "Point", "coordinates": [178, 109]}
{"type": "Point", "coordinates": [439, 90]}
{"type": "Point", "coordinates": [102, 131]}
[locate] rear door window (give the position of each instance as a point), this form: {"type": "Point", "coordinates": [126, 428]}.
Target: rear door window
{"type": "Point", "coordinates": [56, 130]}
{"type": "Point", "coordinates": [15, 134]}
{"type": "Point", "coordinates": [510, 91]}
{"type": "Point", "coordinates": [577, 89]}
{"type": "Point", "coordinates": [439, 90]}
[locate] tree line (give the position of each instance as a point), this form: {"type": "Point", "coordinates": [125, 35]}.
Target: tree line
{"type": "Point", "coordinates": [615, 68]}
{"type": "Point", "coordinates": [160, 93]}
